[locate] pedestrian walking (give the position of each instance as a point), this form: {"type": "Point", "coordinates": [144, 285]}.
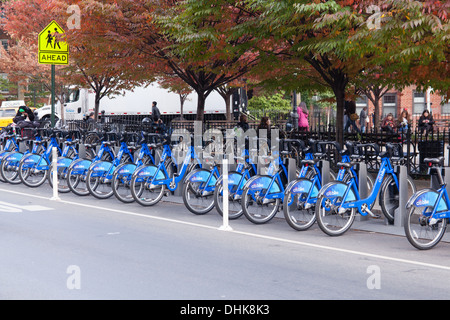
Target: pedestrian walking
{"type": "Point", "coordinates": [302, 110]}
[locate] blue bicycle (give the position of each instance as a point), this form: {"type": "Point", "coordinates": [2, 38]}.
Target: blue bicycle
{"type": "Point", "coordinates": [338, 202]}
{"type": "Point", "coordinates": [121, 178]}
{"type": "Point", "coordinates": [100, 173]}
{"type": "Point", "coordinates": [9, 145]}
{"type": "Point", "coordinates": [78, 169]}
{"type": "Point", "coordinates": [9, 168]}
{"type": "Point", "coordinates": [236, 182]}
{"type": "Point", "coordinates": [149, 182]}
{"type": "Point", "coordinates": [262, 195]}
{"type": "Point", "coordinates": [68, 155]}
{"type": "Point", "coordinates": [428, 211]}
{"type": "Point", "coordinates": [33, 168]}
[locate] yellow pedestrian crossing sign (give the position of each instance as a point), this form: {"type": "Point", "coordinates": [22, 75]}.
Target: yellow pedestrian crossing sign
{"type": "Point", "coordinates": [52, 49]}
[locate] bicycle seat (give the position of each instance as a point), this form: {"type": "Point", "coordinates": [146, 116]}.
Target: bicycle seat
{"type": "Point", "coordinates": [309, 162]}
{"type": "Point", "coordinates": [434, 161]}
{"type": "Point", "coordinates": [346, 165]}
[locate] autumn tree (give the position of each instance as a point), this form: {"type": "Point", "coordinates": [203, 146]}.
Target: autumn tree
{"type": "Point", "coordinates": [108, 68]}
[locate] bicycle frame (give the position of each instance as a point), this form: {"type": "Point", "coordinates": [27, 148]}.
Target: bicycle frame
{"type": "Point", "coordinates": [106, 169]}
{"type": "Point", "coordinates": [349, 191]}
{"type": "Point", "coordinates": [156, 175]}
{"type": "Point", "coordinates": [42, 161]}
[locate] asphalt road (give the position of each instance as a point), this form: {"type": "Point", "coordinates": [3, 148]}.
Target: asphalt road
{"type": "Point", "coordinates": [84, 248]}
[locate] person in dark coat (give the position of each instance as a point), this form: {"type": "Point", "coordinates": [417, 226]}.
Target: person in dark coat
{"type": "Point", "coordinates": [426, 122]}
{"type": "Point", "coordinates": [156, 115]}
{"type": "Point", "coordinates": [25, 118]}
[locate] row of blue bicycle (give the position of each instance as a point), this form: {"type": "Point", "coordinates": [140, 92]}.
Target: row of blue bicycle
{"type": "Point", "coordinates": [142, 167]}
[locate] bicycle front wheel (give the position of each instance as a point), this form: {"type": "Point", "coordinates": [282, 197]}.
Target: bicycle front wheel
{"type": "Point", "coordinates": [234, 205]}
{"type": "Point", "coordinates": [257, 208]}
{"type": "Point", "coordinates": [194, 198]}
{"type": "Point", "coordinates": [331, 217]}
{"type": "Point", "coordinates": [422, 231]}
{"type": "Point", "coordinates": [30, 174]}
{"type": "Point", "coordinates": [10, 171]}
{"type": "Point", "coordinates": [298, 214]}
{"type": "Point", "coordinates": [77, 182]}
{"type": "Point", "coordinates": [121, 188]}
{"type": "Point", "coordinates": [99, 185]}
{"type": "Point", "coordinates": [61, 174]}
{"type": "Point", "coordinates": [389, 196]}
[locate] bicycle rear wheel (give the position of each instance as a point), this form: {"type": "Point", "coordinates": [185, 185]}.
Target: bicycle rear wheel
{"type": "Point", "coordinates": [422, 231]}
{"type": "Point", "coordinates": [389, 196]}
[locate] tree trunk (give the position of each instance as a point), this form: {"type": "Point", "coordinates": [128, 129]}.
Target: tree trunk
{"type": "Point", "coordinates": [97, 106]}
{"type": "Point", "coordinates": [200, 106]}
{"type": "Point", "coordinates": [340, 104]}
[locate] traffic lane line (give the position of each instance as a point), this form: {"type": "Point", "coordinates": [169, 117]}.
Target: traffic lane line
{"type": "Point", "coordinates": [250, 234]}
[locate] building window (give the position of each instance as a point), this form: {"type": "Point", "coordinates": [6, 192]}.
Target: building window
{"type": "Point", "coordinates": [390, 104]}
{"type": "Point", "coordinates": [445, 109]}
{"type": "Point", "coordinates": [419, 102]}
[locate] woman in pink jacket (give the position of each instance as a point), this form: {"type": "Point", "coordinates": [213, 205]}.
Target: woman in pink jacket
{"type": "Point", "coordinates": [302, 111]}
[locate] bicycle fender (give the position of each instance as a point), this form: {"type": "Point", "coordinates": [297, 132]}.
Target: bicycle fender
{"type": "Point", "coordinates": [262, 182]}
{"type": "Point", "coordinates": [302, 185]}
{"type": "Point", "coordinates": [149, 170]}
{"type": "Point", "coordinates": [3, 153]}
{"type": "Point", "coordinates": [100, 166]}
{"type": "Point", "coordinates": [427, 198]}
{"type": "Point", "coordinates": [80, 166]}
{"type": "Point", "coordinates": [233, 178]}
{"type": "Point", "coordinates": [31, 159]}
{"type": "Point", "coordinates": [125, 169]}
{"type": "Point", "coordinates": [337, 189]}
{"type": "Point", "coordinates": [201, 175]}
{"type": "Point", "coordinates": [13, 156]}
{"type": "Point", "coordinates": [64, 162]}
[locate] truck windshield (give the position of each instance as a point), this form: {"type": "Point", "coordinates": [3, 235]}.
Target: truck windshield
{"type": "Point", "coordinates": [74, 95]}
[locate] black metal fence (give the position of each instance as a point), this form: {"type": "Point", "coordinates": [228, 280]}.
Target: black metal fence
{"type": "Point", "coordinates": [416, 146]}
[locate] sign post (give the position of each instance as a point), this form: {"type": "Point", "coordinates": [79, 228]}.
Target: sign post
{"type": "Point", "coordinates": [53, 51]}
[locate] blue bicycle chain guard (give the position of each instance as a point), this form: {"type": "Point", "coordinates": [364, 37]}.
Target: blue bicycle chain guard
{"type": "Point", "coordinates": [146, 171]}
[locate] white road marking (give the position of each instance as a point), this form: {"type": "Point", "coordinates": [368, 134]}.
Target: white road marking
{"type": "Point", "coordinates": [255, 235]}
{"type": "Point", "coordinates": [12, 207]}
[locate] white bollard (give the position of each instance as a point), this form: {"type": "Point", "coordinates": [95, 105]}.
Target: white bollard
{"type": "Point", "coordinates": [55, 174]}
{"type": "Point", "coordinates": [225, 225]}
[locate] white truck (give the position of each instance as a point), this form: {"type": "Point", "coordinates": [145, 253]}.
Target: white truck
{"type": "Point", "coordinates": [137, 102]}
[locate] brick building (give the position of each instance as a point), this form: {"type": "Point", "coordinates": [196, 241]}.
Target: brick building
{"type": "Point", "coordinates": [412, 100]}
